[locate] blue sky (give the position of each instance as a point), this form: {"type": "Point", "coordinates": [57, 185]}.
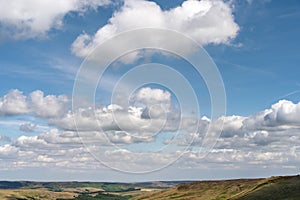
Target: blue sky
{"type": "Point", "coordinates": [254, 45]}
{"type": "Point", "coordinates": [267, 57]}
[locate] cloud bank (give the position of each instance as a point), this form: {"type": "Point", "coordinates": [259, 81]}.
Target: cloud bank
{"type": "Point", "coordinates": [268, 138]}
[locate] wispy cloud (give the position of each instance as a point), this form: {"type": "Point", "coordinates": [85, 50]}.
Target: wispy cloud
{"type": "Point", "coordinates": [252, 69]}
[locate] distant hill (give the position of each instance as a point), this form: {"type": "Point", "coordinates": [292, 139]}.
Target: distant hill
{"type": "Point", "coordinates": [106, 186]}
{"type": "Point", "coordinates": [29, 190]}
{"type": "Point", "coordinates": [273, 188]}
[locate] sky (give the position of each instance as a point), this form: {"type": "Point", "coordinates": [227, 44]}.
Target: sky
{"type": "Point", "coordinates": [136, 90]}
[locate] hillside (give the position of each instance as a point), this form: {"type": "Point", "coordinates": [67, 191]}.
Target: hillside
{"type": "Point", "coordinates": [284, 187]}
{"type": "Point", "coordinates": [277, 188]}
{"type": "Point", "coordinates": [287, 187]}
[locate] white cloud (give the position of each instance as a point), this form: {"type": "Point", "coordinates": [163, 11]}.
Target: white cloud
{"type": "Point", "coordinates": [61, 149]}
{"type": "Point", "coordinates": [8, 151]}
{"type": "Point", "coordinates": [120, 120]}
{"type": "Point", "coordinates": [128, 120]}
{"type": "Point", "coordinates": [284, 112]}
{"type": "Point", "coordinates": [86, 120]}
{"type": "Point", "coordinates": [205, 21]}
{"type": "Point", "coordinates": [268, 137]}
{"type": "Point", "coordinates": [261, 137]}
{"type": "Point", "coordinates": [45, 158]}
{"type": "Point", "coordinates": [13, 103]}
{"type": "Point", "coordinates": [34, 18]}
{"type": "Point", "coordinates": [149, 96]}
{"type": "Point", "coordinates": [232, 125]}
{"type": "Point", "coordinates": [48, 106]}
{"type": "Point", "coordinates": [156, 102]}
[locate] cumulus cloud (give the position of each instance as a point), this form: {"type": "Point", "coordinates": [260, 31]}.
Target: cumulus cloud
{"type": "Point", "coordinates": [8, 151]}
{"type": "Point", "coordinates": [50, 106]}
{"type": "Point", "coordinates": [34, 18]}
{"type": "Point", "coordinates": [283, 112]}
{"type": "Point", "coordinates": [126, 124]}
{"type": "Point", "coordinates": [13, 103]}
{"type": "Point", "coordinates": [149, 96]}
{"type": "Point", "coordinates": [61, 149]}
{"type": "Point", "coordinates": [277, 125]}
{"type": "Point", "coordinates": [156, 102]}
{"type": "Point", "coordinates": [205, 21]}
{"type": "Point", "coordinates": [261, 137]}
{"type": "Point", "coordinates": [265, 138]}
{"type": "Point", "coordinates": [270, 137]}
{"type": "Point", "coordinates": [121, 120]}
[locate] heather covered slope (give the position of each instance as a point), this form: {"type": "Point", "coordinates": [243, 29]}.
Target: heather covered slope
{"type": "Point", "coordinates": [287, 187]}
{"type": "Point", "coordinates": [204, 190]}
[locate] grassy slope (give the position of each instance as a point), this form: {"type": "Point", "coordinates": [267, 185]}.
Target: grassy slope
{"type": "Point", "coordinates": [13, 194]}
{"type": "Point", "coordinates": [287, 187]}
{"type": "Point", "coordinates": [203, 190]}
